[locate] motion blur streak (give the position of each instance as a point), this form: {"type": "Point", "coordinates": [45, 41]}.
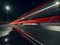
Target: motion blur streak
{"type": "Point", "coordinates": [39, 20]}
{"type": "Point", "coordinates": [25, 14]}
{"type": "Point", "coordinates": [41, 10]}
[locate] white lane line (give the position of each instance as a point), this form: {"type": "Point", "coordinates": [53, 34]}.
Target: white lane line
{"type": "Point", "coordinates": [32, 38]}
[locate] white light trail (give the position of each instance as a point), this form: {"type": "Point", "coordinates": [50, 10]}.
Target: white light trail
{"type": "Point", "coordinates": [29, 24]}
{"type": "Point", "coordinates": [57, 3]}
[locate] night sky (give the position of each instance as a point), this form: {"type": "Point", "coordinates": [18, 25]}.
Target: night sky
{"type": "Point", "coordinates": [18, 7]}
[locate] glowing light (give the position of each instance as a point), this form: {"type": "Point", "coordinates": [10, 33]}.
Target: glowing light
{"type": "Point", "coordinates": [7, 7]}
{"type": "Point", "coordinates": [57, 3]}
{"type": "Point", "coordinates": [52, 28]}
{"type": "Point", "coordinates": [6, 39]}
{"type": "Point", "coordinates": [29, 24]}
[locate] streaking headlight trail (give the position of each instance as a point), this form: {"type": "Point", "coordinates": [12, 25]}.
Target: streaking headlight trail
{"type": "Point", "coordinates": [56, 4]}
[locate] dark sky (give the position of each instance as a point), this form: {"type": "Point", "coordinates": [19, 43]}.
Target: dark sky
{"type": "Point", "coordinates": [18, 7]}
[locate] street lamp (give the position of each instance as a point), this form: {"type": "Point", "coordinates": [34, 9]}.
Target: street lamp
{"type": "Point", "coordinates": [57, 3]}
{"type": "Point", "coordinates": [7, 8]}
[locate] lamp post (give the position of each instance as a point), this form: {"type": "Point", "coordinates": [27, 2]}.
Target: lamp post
{"type": "Point", "coordinates": [7, 8]}
{"type": "Point", "coordinates": [58, 4]}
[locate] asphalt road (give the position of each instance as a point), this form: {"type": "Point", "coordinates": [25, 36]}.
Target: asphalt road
{"type": "Point", "coordinates": [45, 36]}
